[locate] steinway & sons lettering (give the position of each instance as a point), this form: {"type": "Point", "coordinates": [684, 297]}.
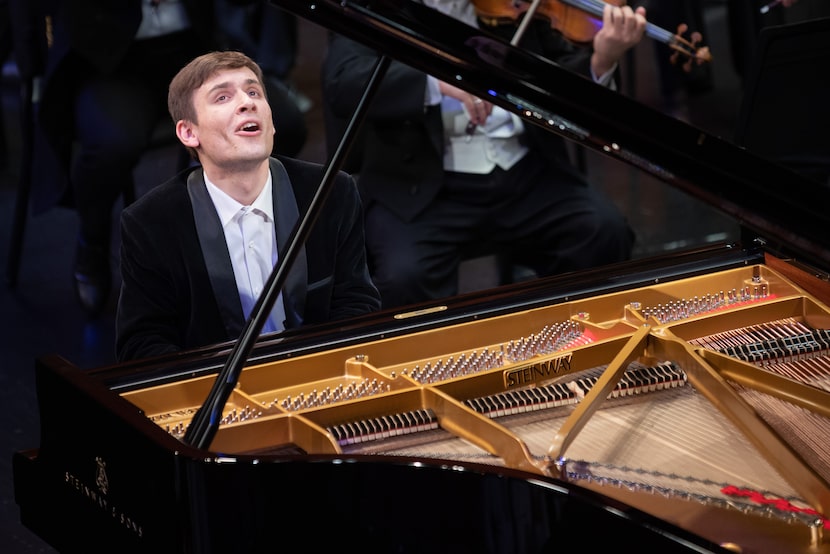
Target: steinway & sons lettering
{"type": "Point", "coordinates": [95, 495]}
{"type": "Point", "coordinates": [525, 375]}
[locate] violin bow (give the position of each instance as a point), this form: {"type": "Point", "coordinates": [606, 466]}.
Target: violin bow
{"type": "Point", "coordinates": [528, 17]}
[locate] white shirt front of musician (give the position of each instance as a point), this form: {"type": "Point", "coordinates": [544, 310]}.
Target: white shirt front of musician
{"type": "Point", "coordinates": [480, 150]}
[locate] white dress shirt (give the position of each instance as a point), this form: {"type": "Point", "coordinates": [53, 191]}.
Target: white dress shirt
{"type": "Point", "coordinates": [251, 237]}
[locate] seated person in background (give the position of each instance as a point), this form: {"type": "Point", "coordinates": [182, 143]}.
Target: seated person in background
{"type": "Point", "coordinates": [270, 36]}
{"type": "Point", "coordinates": [191, 266]}
{"type": "Point", "coordinates": [431, 191]}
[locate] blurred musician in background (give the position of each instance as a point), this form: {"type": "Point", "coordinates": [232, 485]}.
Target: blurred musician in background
{"type": "Point", "coordinates": [677, 82]}
{"type": "Point", "coordinates": [442, 171]}
{"type": "Point", "coordinates": [197, 251]}
{"type": "Point", "coordinates": [746, 18]}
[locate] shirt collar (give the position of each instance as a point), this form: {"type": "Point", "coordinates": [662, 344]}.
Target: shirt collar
{"type": "Point", "coordinates": [227, 207]}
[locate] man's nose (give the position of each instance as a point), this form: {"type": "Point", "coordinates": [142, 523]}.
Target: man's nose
{"type": "Point", "coordinates": [246, 102]}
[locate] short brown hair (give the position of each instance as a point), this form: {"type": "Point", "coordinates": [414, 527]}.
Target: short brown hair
{"type": "Point", "coordinates": [194, 74]}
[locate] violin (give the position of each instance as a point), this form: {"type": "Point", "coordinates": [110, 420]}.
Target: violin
{"type": "Point", "coordinates": [579, 21]}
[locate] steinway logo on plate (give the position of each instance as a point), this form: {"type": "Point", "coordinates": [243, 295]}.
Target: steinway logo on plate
{"type": "Point", "coordinates": [97, 494]}
{"type": "Point", "coordinates": [528, 374]}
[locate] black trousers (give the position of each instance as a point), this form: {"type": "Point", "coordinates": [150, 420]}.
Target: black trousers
{"type": "Point", "coordinates": [550, 222]}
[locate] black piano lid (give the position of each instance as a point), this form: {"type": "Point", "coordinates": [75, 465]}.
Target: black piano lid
{"type": "Point", "coordinates": [785, 210]}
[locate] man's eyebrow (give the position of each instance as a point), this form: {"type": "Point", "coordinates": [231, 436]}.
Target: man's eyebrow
{"type": "Point", "coordinates": [227, 84]}
{"type": "Point", "coordinates": [218, 86]}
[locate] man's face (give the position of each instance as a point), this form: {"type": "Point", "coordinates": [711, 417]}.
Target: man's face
{"type": "Point", "coordinates": [234, 128]}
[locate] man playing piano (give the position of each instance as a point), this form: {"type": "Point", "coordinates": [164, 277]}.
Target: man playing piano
{"type": "Point", "coordinates": [197, 249]}
{"type": "Point", "coordinates": [441, 171]}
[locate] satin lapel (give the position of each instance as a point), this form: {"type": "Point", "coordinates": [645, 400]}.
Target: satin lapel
{"type": "Point", "coordinates": [215, 254]}
{"type": "Point", "coordinates": [286, 216]}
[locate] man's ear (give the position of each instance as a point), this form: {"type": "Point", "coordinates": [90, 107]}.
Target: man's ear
{"type": "Point", "coordinates": [186, 134]}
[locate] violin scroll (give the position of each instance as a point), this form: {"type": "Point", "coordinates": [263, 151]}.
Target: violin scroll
{"type": "Point", "coordinates": [689, 48]}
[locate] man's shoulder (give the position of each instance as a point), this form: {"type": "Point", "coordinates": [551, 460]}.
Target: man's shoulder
{"type": "Point", "coordinates": [163, 197]}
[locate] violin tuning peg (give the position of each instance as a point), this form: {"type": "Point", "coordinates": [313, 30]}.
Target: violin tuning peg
{"type": "Point", "coordinates": [696, 37]}
{"type": "Point", "coordinates": [674, 57]}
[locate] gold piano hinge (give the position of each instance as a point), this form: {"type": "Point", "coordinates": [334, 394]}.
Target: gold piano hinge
{"type": "Point", "coordinates": [416, 313]}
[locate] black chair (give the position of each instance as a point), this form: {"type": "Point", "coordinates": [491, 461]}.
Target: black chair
{"type": "Point", "coordinates": [784, 113]}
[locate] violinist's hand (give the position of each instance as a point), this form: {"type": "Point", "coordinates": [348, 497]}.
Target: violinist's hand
{"type": "Point", "coordinates": [622, 28]}
{"type": "Point", "coordinates": [477, 108]}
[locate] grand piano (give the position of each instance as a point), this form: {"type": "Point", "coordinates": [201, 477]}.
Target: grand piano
{"type": "Point", "coordinates": [677, 403]}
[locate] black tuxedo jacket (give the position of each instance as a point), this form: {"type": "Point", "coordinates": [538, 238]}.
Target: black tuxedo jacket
{"type": "Point", "coordinates": [178, 289]}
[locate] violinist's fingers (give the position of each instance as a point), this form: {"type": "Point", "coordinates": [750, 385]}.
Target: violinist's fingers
{"type": "Point", "coordinates": [608, 13]}
{"type": "Point", "coordinates": [622, 28]}
{"type": "Point", "coordinates": [624, 23]}
{"type": "Point", "coordinates": [629, 20]}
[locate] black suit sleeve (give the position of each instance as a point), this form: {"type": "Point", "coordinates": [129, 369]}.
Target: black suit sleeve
{"type": "Point", "coordinates": [147, 324]}
{"type": "Point", "coordinates": [166, 302]}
